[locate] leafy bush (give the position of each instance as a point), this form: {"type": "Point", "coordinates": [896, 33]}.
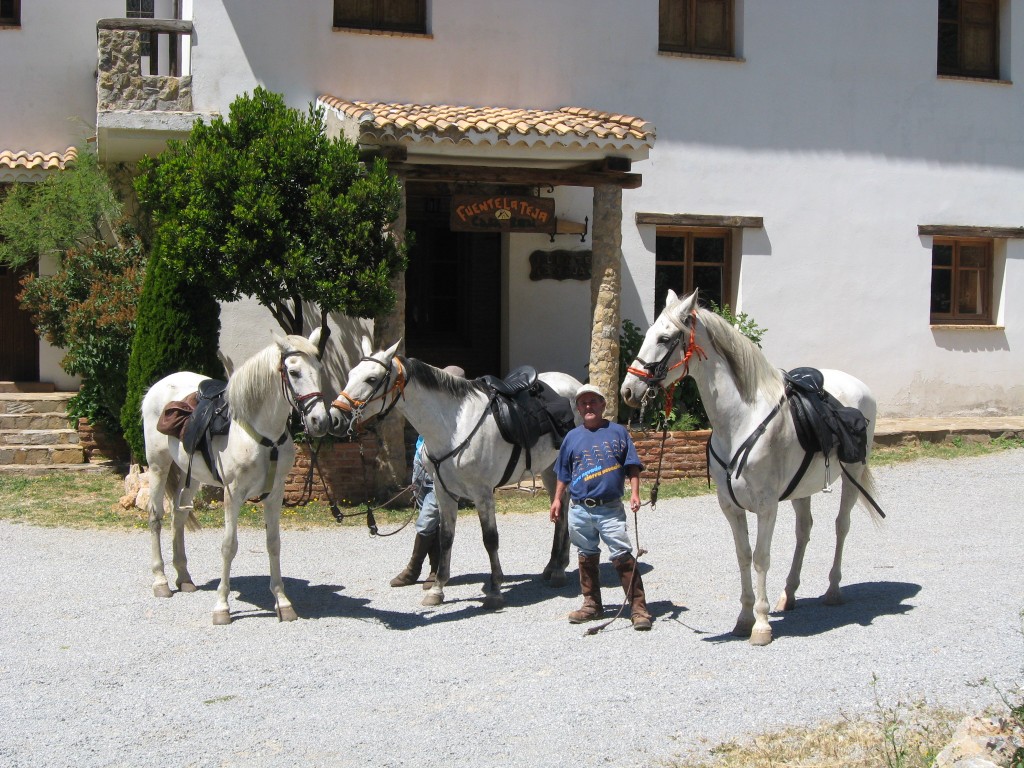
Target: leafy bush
{"type": "Point", "coordinates": [178, 328]}
{"type": "Point", "coordinates": [687, 410]}
{"type": "Point", "coordinates": [88, 307]}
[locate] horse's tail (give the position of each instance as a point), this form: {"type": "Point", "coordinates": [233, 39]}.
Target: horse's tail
{"type": "Point", "coordinates": [866, 498]}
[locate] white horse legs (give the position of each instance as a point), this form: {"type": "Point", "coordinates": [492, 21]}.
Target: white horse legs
{"type": "Point", "coordinates": [804, 522]}
{"type": "Point", "coordinates": [272, 516]}
{"type": "Point", "coordinates": [752, 621]}
{"type": "Point", "coordinates": [493, 598]}
{"type": "Point", "coordinates": [166, 481]}
{"type": "Point", "coordinates": [834, 595]}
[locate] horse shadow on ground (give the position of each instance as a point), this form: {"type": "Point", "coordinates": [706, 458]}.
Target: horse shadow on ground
{"type": "Point", "coordinates": [251, 598]}
{"type": "Point", "coordinates": [864, 603]}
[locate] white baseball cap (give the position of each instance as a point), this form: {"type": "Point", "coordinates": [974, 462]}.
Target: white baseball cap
{"type": "Point", "coordinates": [591, 389]}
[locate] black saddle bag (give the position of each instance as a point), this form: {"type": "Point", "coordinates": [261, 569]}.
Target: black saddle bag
{"type": "Point", "coordinates": [822, 422]}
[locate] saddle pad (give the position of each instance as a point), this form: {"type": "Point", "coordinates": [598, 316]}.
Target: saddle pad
{"type": "Point", "coordinates": [176, 415]}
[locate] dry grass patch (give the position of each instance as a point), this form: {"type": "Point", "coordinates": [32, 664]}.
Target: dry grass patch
{"type": "Point", "coordinates": [906, 736]}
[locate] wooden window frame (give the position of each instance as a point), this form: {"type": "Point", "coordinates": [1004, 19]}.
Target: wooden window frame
{"type": "Point", "coordinates": [675, 13]}
{"type": "Point", "coordinates": [986, 282]}
{"type": "Point", "coordinates": [959, 29]}
{"type": "Point", "coordinates": [14, 19]}
{"type": "Point", "coordinates": [374, 20]}
{"type": "Point", "coordinates": [689, 261]}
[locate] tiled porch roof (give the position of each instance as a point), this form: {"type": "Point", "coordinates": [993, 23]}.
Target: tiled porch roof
{"type": "Point", "coordinates": [565, 127]}
{"type": "Point", "coordinates": [44, 161]}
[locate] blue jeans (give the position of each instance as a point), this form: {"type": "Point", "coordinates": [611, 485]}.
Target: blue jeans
{"type": "Point", "coordinates": [429, 516]}
{"type": "Point", "coordinates": [589, 526]}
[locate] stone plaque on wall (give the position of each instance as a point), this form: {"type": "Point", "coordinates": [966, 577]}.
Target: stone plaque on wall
{"type": "Point", "coordinates": [560, 265]}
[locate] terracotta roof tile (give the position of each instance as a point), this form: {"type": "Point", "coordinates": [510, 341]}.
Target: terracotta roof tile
{"type": "Point", "coordinates": [492, 125]}
{"type": "Point", "coordinates": [10, 159]}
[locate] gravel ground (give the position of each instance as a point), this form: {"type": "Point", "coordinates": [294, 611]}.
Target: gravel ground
{"type": "Point", "coordinates": [95, 671]}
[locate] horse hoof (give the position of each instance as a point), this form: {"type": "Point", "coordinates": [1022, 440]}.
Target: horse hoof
{"type": "Point", "coordinates": [557, 580]}
{"type": "Point", "coordinates": [161, 590]}
{"type": "Point", "coordinates": [220, 618]}
{"type": "Point", "coordinates": [187, 586]}
{"type": "Point", "coordinates": [432, 599]}
{"type": "Point", "coordinates": [286, 613]}
{"type": "Point", "coordinates": [742, 629]}
{"type": "Point", "coordinates": [833, 598]}
{"type": "Point", "coordinates": [785, 604]}
{"type": "Point", "coordinates": [494, 602]}
{"type": "Point", "coordinates": [761, 637]}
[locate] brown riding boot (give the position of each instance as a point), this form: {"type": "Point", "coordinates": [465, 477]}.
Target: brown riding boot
{"type": "Point", "coordinates": [633, 586]}
{"type": "Point", "coordinates": [590, 586]}
{"type": "Point", "coordinates": [411, 574]}
{"type": "Point", "coordinates": [434, 555]}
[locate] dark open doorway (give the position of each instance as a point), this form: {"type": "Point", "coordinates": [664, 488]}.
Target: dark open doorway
{"type": "Point", "coordinates": [453, 289]}
{"type": "Point", "coordinates": [19, 345]}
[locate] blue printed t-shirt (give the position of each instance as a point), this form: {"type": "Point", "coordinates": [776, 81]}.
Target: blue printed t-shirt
{"type": "Point", "coordinates": [593, 462]}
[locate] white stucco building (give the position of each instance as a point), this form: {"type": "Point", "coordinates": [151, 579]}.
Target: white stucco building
{"type": "Point", "coordinates": [850, 175]}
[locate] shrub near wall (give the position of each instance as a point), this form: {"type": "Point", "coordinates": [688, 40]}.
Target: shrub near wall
{"type": "Point", "coordinates": [342, 469]}
{"type": "Point", "coordinates": [685, 454]}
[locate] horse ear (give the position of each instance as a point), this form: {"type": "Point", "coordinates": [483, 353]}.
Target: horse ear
{"type": "Point", "coordinates": [670, 298]}
{"type": "Point", "coordinates": [390, 353]}
{"type": "Point", "coordinates": [314, 337]}
{"type": "Point", "coordinates": [367, 346]}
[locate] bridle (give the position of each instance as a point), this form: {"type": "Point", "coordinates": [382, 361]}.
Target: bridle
{"type": "Point", "coordinates": [302, 404]}
{"type": "Point", "coordinates": [381, 390]}
{"type": "Point", "coordinates": [655, 373]}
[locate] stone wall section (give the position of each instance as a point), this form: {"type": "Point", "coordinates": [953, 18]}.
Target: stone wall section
{"type": "Point", "coordinates": [347, 469]}
{"type": "Point", "coordinates": [120, 84]}
{"type": "Point", "coordinates": [685, 454]}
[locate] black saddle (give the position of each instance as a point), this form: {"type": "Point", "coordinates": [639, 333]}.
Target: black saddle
{"type": "Point", "coordinates": [526, 408]}
{"type": "Point", "coordinates": [822, 422]}
{"type": "Point", "coordinates": [211, 416]}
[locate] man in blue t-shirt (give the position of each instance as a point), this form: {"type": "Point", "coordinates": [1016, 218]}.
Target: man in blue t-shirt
{"type": "Point", "coordinates": [594, 462]}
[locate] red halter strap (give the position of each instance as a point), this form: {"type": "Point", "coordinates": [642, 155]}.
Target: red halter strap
{"type": "Point", "coordinates": [350, 404]}
{"type": "Point", "coordinates": [692, 348]}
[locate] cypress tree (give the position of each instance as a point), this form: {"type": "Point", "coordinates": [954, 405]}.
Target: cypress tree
{"type": "Point", "coordinates": [177, 328]}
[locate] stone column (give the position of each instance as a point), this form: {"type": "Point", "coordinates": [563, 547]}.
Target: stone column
{"type": "Point", "coordinates": [391, 470]}
{"type": "Point", "coordinates": [605, 290]}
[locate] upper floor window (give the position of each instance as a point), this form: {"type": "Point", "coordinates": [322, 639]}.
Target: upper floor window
{"type": "Point", "coordinates": [696, 26]}
{"type": "Point", "coordinates": [141, 9]}
{"type": "Point", "coordinates": [382, 15]}
{"type": "Point", "coordinates": [10, 13]}
{"type": "Point", "coordinates": [961, 281]}
{"type": "Point", "coordinates": [969, 38]}
{"type": "Point", "coordinates": [686, 259]}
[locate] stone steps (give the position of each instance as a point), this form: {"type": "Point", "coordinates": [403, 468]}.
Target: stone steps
{"type": "Point", "coordinates": [34, 430]}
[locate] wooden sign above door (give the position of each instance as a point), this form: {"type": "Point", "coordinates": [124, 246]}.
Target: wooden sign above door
{"type": "Point", "coordinates": [502, 213]}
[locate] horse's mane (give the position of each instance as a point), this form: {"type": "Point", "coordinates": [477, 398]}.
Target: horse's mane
{"type": "Point", "coordinates": [259, 376]}
{"type": "Point", "coordinates": [750, 368]}
{"type": "Point", "coordinates": [437, 380]}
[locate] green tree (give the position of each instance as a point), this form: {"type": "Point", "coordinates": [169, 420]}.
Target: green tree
{"type": "Point", "coordinates": [87, 306]}
{"type": "Point", "coordinates": [263, 204]}
{"type": "Point", "coordinates": [69, 210]}
{"type": "Point", "coordinates": [177, 328]}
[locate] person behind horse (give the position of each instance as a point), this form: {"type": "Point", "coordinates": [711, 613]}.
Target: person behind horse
{"type": "Point", "coordinates": [426, 544]}
{"type": "Point", "coordinates": [594, 462]}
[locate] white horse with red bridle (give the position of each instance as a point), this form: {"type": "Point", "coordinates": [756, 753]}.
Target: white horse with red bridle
{"type": "Point", "coordinates": [756, 456]}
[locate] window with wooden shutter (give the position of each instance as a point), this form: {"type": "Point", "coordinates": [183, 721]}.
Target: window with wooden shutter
{"type": "Point", "coordinates": [961, 291]}
{"type": "Point", "coordinates": [10, 13]}
{"type": "Point", "coordinates": [968, 44]}
{"type": "Point", "coordinates": [382, 15]}
{"type": "Point", "coordinates": [696, 26]}
{"type": "Point", "coordinates": [686, 259]}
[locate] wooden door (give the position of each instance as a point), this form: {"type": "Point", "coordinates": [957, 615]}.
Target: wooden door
{"type": "Point", "coordinates": [19, 345]}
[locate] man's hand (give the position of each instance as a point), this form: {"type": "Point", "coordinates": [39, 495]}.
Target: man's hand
{"type": "Point", "coordinates": [556, 509]}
